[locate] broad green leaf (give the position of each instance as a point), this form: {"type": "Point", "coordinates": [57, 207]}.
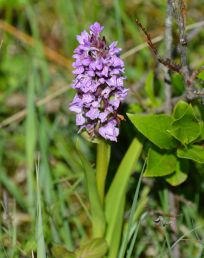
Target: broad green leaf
{"type": "Point", "coordinates": [187, 128]}
{"type": "Point", "coordinates": [193, 152]}
{"type": "Point", "coordinates": [61, 251]}
{"type": "Point", "coordinates": [116, 193]}
{"type": "Point", "coordinates": [201, 75]}
{"type": "Point", "coordinates": [160, 163]}
{"type": "Point", "coordinates": [178, 83]}
{"type": "Point", "coordinates": [202, 130]}
{"type": "Point", "coordinates": [155, 128]}
{"type": "Point", "coordinates": [181, 173]}
{"type": "Point", "coordinates": [180, 109]}
{"type": "Point", "coordinates": [95, 248]}
{"type": "Point", "coordinates": [198, 111]}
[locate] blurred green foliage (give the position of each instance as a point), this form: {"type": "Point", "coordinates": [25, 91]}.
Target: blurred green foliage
{"type": "Point", "coordinates": [46, 132]}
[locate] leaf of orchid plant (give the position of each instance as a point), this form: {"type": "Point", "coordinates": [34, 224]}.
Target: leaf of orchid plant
{"type": "Point", "coordinates": [95, 248]}
{"type": "Point", "coordinates": [117, 191]}
{"type": "Point", "coordinates": [61, 251]}
{"type": "Point", "coordinates": [97, 214]}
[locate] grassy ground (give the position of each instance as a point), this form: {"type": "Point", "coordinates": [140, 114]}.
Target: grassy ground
{"type": "Point", "coordinates": [43, 199]}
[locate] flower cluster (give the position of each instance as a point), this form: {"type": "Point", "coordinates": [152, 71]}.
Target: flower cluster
{"type": "Point", "coordinates": [99, 84]}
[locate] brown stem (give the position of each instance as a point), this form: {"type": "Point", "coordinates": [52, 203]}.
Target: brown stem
{"type": "Point", "coordinates": [165, 61]}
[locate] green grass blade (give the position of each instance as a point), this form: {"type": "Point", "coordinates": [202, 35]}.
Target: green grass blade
{"type": "Point", "coordinates": [117, 6]}
{"type": "Point", "coordinates": [30, 140]}
{"type": "Point", "coordinates": [184, 235]}
{"type": "Point", "coordinates": [13, 189]}
{"type": "Point", "coordinates": [132, 243]}
{"type": "Point", "coordinates": [131, 218]}
{"type": "Point", "coordinates": [41, 249]}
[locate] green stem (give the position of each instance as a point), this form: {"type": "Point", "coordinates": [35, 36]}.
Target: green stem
{"type": "Point", "coordinates": [102, 162]}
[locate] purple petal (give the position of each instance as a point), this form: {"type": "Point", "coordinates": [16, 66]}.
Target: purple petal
{"type": "Point", "coordinates": [116, 61]}
{"type": "Point", "coordinates": [103, 116]}
{"type": "Point", "coordinates": [93, 113]}
{"type": "Point", "coordinates": [86, 61]}
{"type": "Point", "coordinates": [96, 104]}
{"type": "Point", "coordinates": [105, 71]}
{"type": "Point", "coordinates": [120, 81]}
{"type": "Point", "coordinates": [87, 98]}
{"type": "Point", "coordinates": [106, 92]}
{"type": "Point", "coordinates": [112, 81]}
{"type": "Point", "coordinates": [80, 120]}
{"type": "Point", "coordinates": [115, 103]}
{"type": "Point", "coordinates": [79, 70]}
{"type": "Point", "coordinates": [91, 73]}
{"type": "Point", "coordinates": [109, 131]}
{"type": "Point", "coordinates": [83, 37]}
{"type": "Point", "coordinates": [75, 108]}
{"type": "Point", "coordinates": [101, 80]}
{"type": "Point", "coordinates": [96, 28]}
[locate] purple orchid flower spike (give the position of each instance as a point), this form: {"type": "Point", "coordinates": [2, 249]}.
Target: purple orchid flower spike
{"type": "Point", "coordinates": [99, 84]}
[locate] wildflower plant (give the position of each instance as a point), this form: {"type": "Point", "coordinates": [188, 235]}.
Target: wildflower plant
{"type": "Point", "coordinates": [99, 79]}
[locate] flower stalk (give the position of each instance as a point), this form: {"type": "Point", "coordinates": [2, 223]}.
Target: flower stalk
{"type": "Point", "coordinates": [102, 162]}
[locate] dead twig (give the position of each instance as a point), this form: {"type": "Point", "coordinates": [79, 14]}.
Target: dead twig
{"type": "Point", "coordinates": [195, 26]}
{"type": "Point", "coordinates": [179, 9]}
{"type": "Point", "coordinates": [195, 74]}
{"type": "Point", "coordinates": [165, 61]}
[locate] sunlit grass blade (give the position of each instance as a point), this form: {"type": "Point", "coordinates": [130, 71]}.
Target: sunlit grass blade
{"type": "Point", "coordinates": [41, 249]}
{"type": "Point", "coordinates": [117, 6]}
{"type": "Point", "coordinates": [30, 140]}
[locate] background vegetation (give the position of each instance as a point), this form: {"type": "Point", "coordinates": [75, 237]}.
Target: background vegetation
{"type": "Point", "coordinates": [42, 191]}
